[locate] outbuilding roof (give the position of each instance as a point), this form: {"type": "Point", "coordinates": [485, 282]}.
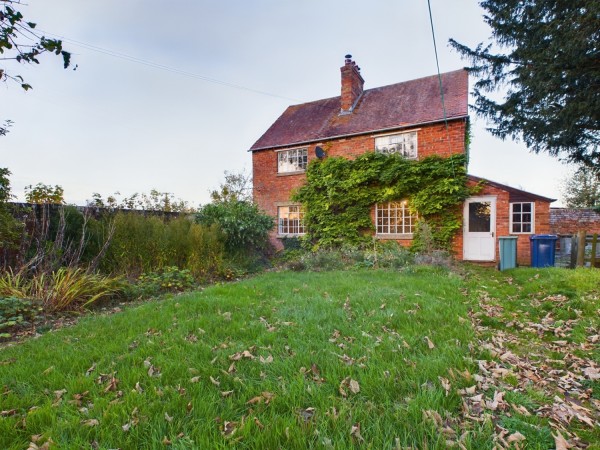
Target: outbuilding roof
{"type": "Point", "coordinates": [400, 105]}
{"type": "Point", "coordinates": [515, 195]}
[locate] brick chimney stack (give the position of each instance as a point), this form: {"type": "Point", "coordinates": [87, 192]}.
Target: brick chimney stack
{"type": "Point", "coordinates": [352, 85]}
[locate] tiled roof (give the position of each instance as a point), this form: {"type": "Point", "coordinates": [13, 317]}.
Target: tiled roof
{"type": "Point", "coordinates": [388, 107]}
{"type": "Point", "coordinates": [516, 195]}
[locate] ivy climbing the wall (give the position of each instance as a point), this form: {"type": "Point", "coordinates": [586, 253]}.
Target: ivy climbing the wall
{"type": "Point", "coordinates": [339, 194]}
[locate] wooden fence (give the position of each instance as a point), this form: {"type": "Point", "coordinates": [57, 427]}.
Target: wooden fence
{"type": "Point", "coordinates": [578, 250]}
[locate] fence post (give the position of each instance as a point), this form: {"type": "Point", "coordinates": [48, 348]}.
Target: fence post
{"type": "Point", "coordinates": [573, 262]}
{"type": "Point", "coordinates": [593, 256]}
{"type": "Point", "coordinates": [580, 248]}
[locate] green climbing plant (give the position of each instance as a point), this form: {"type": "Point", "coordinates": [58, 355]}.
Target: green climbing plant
{"type": "Point", "coordinates": [339, 194]}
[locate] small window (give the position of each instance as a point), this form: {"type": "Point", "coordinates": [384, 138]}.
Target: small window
{"type": "Point", "coordinates": [294, 160]}
{"type": "Point", "coordinates": [290, 220]}
{"type": "Point", "coordinates": [395, 218]}
{"type": "Point", "coordinates": [403, 144]}
{"type": "Point", "coordinates": [521, 217]}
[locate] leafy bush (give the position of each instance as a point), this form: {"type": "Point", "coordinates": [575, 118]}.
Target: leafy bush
{"type": "Point", "coordinates": [246, 228]}
{"type": "Point", "coordinates": [16, 312]}
{"type": "Point", "coordinates": [170, 279]}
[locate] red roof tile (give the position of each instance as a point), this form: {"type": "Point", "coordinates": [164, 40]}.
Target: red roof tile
{"type": "Point", "coordinates": [395, 106]}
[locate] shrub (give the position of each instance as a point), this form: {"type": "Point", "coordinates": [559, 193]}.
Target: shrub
{"type": "Point", "coordinates": [170, 279]}
{"type": "Point", "coordinates": [16, 312]}
{"type": "Point", "coordinates": [246, 228]}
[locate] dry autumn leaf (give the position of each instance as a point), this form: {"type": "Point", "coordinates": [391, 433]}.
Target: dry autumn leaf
{"type": "Point", "coordinates": [229, 428]}
{"type": "Point", "coordinates": [430, 344]}
{"type": "Point", "coordinates": [355, 432]}
{"type": "Point", "coordinates": [560, 442]}
{"type": "Point", "coordinates": [90, 422]}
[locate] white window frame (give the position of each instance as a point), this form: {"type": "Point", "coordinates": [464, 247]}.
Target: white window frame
{"type": "Point", "coordinates": [399, 211]}
{"type": "Point", "coordinates": [295, 221]}
{"type": "Point", "coordinates": [521, 223]}
{"type": "Point", "coordinates": [404, 144]}
{"type": "Point", "coordinates": [293, 160]}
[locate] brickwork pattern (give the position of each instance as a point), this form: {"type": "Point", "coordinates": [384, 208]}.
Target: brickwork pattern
{"type": "Point", "coordinates": [572, 220]}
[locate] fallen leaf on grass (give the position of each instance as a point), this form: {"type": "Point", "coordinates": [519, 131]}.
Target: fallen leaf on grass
{"type": "Point", "coordinates": [240, 355]}
{"type": "Point", "coordinates": [264, 396]}
{"type": "Point", "coordinates": [445, 384]}
{"type": "Point", "coordinates": [430, 344]}
{"type": "Point", "coordinates": [515, 437]}
{"type": "Point", "coordinates": [90, 422]}
{"type": "Point", "coordinates": [592, 373]}
{"type": "Point", "coordinates": [560, 442]}
{"type": "Point", "coordinates": [226, 393]}
{"type": "Point", "coordinates": [168, 418]}
{"type": "Point", "coordinates": [194, 379]}
{"type": "Point", "coordinates": [90, 370]}
{"type": "Point", "coordinates": [258, 423]}
{"type": "Point", "coordinates": [355, 432]}
{"type": "Point", "coordinates": [350, 384]}
{"type": "Point", "coordinates": [267, 360]}
{"type": "Point", "coordinates": [307, 414]}
{"type": "Point", "coordinates": [215, 382]}
{"type": "Point", "coordinates": [229, 428]}
{"type": "Point", "coordinates": [9, 412]}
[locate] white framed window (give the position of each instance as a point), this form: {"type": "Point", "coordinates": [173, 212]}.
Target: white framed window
{"type": "Point", "coordinates": [394, 218]}
{"type": "Point", "coordinates": [404, 144]}
{"type": "Point", "coordinates": [294, 160]}
{"type": "Point", "coordinates": [290, 220]}
{"type": "Point", "coordinates": [522, 217]}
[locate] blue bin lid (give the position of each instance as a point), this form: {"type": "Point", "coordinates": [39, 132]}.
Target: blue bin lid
{"type": "Point", "coordinates": [543, 236]}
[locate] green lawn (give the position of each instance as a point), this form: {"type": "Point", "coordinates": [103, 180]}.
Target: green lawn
{"type": "Point", "coordinates": [365, 359]}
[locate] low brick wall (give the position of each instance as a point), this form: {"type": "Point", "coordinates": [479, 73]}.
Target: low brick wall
{"type": "Point", "coordinates": [572, 220]}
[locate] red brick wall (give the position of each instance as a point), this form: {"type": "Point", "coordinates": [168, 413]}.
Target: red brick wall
{"type": "Point", "coordinates": [572, 220]}
{"type": "Point", "coordinates": [271, 188]}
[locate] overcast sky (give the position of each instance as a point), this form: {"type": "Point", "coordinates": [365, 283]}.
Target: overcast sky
{"type": "Point", "coordinates": [115, 124]}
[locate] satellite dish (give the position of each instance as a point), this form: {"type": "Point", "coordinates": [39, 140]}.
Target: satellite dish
{"type": "Point", "coordinates": [319, 152]}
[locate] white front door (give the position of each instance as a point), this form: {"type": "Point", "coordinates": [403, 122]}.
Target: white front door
{"type": "Point", "coordinates": [479, 243]}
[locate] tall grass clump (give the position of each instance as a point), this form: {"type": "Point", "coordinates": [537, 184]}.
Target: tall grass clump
{"type": "Point", "coordinates": [143, 244]}
{"type": "Point", "coordinates": [62, 289]}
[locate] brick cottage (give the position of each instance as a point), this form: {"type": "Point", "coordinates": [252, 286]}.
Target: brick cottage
{"type": "Point", "coordinates": [405, 118]}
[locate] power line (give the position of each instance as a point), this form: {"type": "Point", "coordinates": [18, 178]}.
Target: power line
{"type": "Point", "coordinates": [164, 67]}
{"type": "Point", "coordinates": [437, 63]}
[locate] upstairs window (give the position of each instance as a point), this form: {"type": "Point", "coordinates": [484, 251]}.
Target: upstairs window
{"type": "Point", "coordinates": [403, 144]}
{"type": "Point", "coordinates": [395, 218]}
{"type": "Point", "coordinates": [290, 220]}
{"type": "Point", "coordinates": [295, 160]}
{"type": "Point", "coordinates": [522, 217]}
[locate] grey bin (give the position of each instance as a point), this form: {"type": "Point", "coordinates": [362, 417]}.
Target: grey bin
{"type": "Point", "coordinates": [508, 252]}
{"type": "Point", "coordinates": [543, 250]}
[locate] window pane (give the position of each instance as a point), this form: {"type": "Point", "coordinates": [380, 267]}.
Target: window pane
{"type": "Point", "coordinates": [394, 218]}
{"type": "Point", "coordinates": [526, 207]}
{"type": "Point", "coordinates": [479, 217]}
{"type": "Point", "coordinates": [526, 228]}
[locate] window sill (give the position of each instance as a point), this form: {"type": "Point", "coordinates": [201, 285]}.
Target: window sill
{"type": "Point", "coordinates": [285, 174]}
{"type": "Point", "coordinates": [396, 236]}
{"type": "Point", "coordinates": [284, 236]}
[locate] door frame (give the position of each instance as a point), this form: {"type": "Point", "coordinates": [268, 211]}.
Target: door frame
{"type": "Point", "coordinates": [492, 233]}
